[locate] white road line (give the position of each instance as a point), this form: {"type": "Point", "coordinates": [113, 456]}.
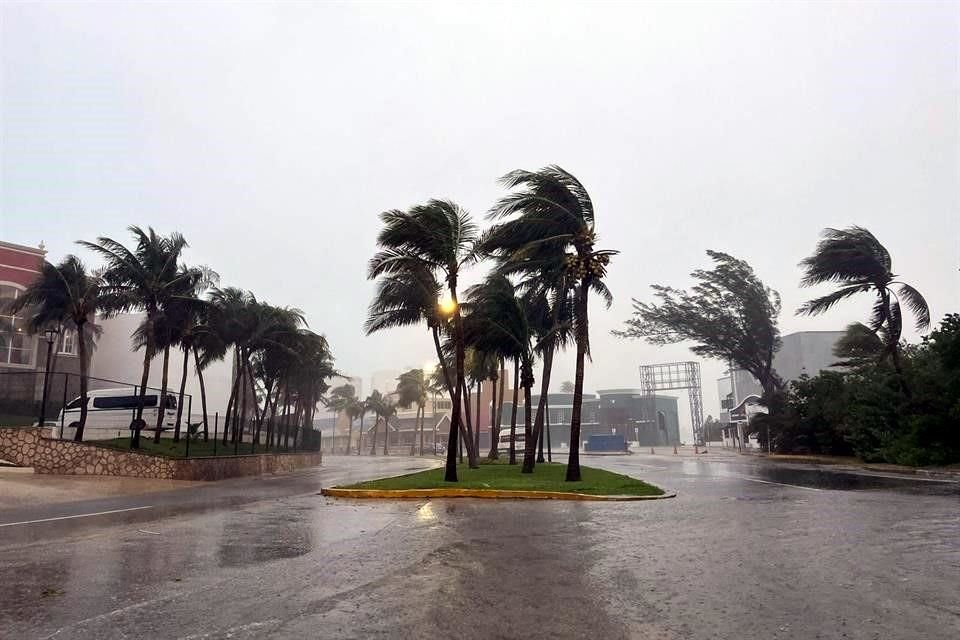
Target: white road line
{"type": "Point", "coordinates": [80, 515]}
{"type": "Point", "coordinates": [782, 484]}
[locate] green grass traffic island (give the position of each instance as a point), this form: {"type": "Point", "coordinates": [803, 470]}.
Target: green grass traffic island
{"type": "Point", "coordinates": [493, 480]}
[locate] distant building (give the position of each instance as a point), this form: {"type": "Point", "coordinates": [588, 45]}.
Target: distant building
{"type": "Point", "coordinates": [608, 412]}
{"type": "Point", "coordinates": [802, 353]}
{"type": "Point", "coordinates": [384, 381]}
{"type": "Point", "coordinates": [116, 364]}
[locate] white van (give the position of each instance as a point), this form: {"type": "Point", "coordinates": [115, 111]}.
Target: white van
{"type": "Point", "coordinates": [110, 412]}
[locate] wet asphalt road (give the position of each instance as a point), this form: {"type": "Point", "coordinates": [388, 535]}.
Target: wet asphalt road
{"type": "Point", "coordinates": [746, 550]}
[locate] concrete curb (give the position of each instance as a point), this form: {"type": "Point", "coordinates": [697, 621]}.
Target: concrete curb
{"type": "Point", "coordinates": [495, 494]}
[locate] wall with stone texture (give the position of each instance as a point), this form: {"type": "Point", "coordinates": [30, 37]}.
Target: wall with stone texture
{"type": "Point", "coordinates": [26, 447]}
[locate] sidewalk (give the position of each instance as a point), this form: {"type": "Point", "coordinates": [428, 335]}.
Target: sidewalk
{"type": "Point", "coordinates": [20, 487]}
{"type": "Point", "coordinates": [716, 453]}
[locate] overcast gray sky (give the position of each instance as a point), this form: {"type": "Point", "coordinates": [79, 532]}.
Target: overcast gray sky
{"type": "Point", "coordinates": [272, 134]}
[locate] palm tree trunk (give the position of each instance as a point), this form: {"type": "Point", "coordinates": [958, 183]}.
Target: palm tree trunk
{"type": "Point", "coordinates": [203, 394]}
{"type": "Point", "coordinates": [423, 417]}
{"type": "Point", "coordinates": [546, 415]}
{"type": "Point", "coordinates": [494, 421]}
{"type": "Point", "coordinates": [360, 435]}
{"type": "Point", "coordinates": [476, 433]}
{"type": "Point", "coordinates": [582, 336]}
{"type": "Point", "coordinates": [898, 367]}
{"type": "Point", "coordinates": [183, 387]}
{"type": "Point", "coordinates": [162, 398]}
{"type": "Point", "coordinates": [513, 411]}
{"type": "Point", "coordinates": [528, 459]}
{"type": "Point", "coordinates": [527, 425]}
{"type": "Point", "coordinates": [346, 450]}
{"type": "Point", "coordinates": [228, 422]}
{"type": "Point", "coordinates": [84, 381]}
{"type": "Point", "coordinates": [386, 434]}
{"type": "Point", "coordinates": [144, 378]}
{"type": "Point", "coordinates": [376, 428]}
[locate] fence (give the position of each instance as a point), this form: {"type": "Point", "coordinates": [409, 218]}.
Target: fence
{"type": "Point", "coordinates": [112, 408]}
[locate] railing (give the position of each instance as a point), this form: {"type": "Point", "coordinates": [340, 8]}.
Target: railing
{"type": "Point", "coordinates": [30, 398]}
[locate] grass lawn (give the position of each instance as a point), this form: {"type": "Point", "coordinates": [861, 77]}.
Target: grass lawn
{"type": "Point", "coordinates": [546, 477]}
{"type": "Point", "coordinates": [170, 449]}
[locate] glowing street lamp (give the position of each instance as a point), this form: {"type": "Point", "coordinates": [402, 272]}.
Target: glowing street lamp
{"type": "Point", "coordinates": [447, 306]}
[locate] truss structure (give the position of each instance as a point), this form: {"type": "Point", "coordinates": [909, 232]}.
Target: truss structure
{"type": "Point", "coordinates": [674, 375]}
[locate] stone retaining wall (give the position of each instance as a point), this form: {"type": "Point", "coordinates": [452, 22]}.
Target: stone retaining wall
{"type": "Point", "coordinates": [28, 448]}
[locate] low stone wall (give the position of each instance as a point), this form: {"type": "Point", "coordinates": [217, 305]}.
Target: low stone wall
{"type": "Point", "coordinates": [28, 448]}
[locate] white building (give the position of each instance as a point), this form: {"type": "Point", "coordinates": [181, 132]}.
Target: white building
{"type": "Point", "coordinates": [802, 353]}
{"type": "Point", "coordinates": [119, 365]}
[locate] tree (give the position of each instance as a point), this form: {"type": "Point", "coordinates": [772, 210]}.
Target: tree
{"type": "Point", "coordinates": [362, 408]}
{"type": "Point", "coordinates": [439, 237]}
{"type": "Point", "coordinates": [500, 324]}
{"type": "Point", "coordinates": [730, 315]}
{"type": "Point", "coordinates": [382, 408]}
{"type": "Point", "coordinates": [858, 346]}
{"type": "Point", "coordinates": [67, 294]}
{"type": "Point", "coordinates": [412, 389]}
{"type": "Point", "coordinates": [854, 259]}
{"type": "Point", "coordinates": [550, 214]}
{"type": "Point", "coordinates": [343, 400]}
{"type": "Point", "coordinates": [145, 278]}
{"type": "Point", "coordinates": [566, 386]}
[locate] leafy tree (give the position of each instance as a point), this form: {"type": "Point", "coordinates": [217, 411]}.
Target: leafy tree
{"type": "Point", "coordinates": [67, 294]}
{"type": "Point", "coordinates": [854, 259]}
{"type": "Point", "coordinates": [547, 222]}
{"type": "Point", "coordinates": [859, 346]}
{"type": "Point", "coordinates": [566, 386]}
{"type": "Point", "coordinates": [437, 236]}
{"type": "Point", "coordinates": [729, 314]}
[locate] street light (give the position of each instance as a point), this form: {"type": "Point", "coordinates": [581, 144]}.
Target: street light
{"type": "Point", "coordinates": [50, 335]}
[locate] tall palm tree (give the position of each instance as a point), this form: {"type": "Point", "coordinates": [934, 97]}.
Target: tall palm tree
{"type": "Point", "coordinates": [363, 408]}
{"type": "Point", "coordinates": [382, 408]}
{"type": "Point", "coordinates": [187, 313]}
{"type": "Point", "coordinates": [550, 214]}
{"type": "Point", "coordinates": [342, 400]}
{"type": "Point", "coordinates": [355, 409]}
{"type": "Point", "coordinates": [412, 388]}
{"type": "Point", "coordinates": [147, 278]}
{"type": "Point", "coordinates": [854, 259]}
{"type": "Point", "coordinates": [500, 324]}
{"type": "Point", "coordinates": [440, 237]}
{"type": "Point", "coordinates": [67, 294]}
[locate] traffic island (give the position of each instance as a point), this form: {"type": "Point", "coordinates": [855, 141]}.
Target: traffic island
{"type": "Point", "coordinates": [503, 481]}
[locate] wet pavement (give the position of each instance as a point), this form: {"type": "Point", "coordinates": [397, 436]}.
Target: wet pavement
{"type": "Point", "coordinates": [746, 550]}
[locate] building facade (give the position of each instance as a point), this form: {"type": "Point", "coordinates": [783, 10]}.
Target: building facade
{"type": "Point", "coordinates": [23, 356]}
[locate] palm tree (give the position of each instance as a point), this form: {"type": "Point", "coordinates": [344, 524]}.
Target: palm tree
{"type": "Point", "coordinates": [440, 237]}
{"type": "Point", "coordinates": [146, 278]}
{"type": "Point", "coordinates": [188, 313]}
{"type": "Point", "coordinates": [362, 408]}
{"type": "Point", "coordinates": [854, 259]}
{"type": "Point", "coordinates": [355, 409]}
{"type": "Point", "coordinates": [412, 388]}
{"type": "Point", "coordinates": [549, 220]}
{"type": "Point", "coordinates": [67, 294]}
{"type": "Point", "coordinates": [500, 324]}
{"type": "Point", "coordinates": [382, 408]}
{"type": "Point", "coordinates": [342, 400]}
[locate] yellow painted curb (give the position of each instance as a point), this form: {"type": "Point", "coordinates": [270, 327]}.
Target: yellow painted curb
{"type": "Point", "coordinates": [501, 494]}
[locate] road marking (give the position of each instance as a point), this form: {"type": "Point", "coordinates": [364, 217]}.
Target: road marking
{"type": "Point", "coordinates": [80, 515]}
{"type": "Point", "coordinates": [782, 484]}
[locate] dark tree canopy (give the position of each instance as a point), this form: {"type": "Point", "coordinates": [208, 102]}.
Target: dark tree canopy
{"type": "Point", "coordinates": [730, 315]}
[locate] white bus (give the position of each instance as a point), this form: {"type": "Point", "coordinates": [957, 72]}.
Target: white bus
{"type": "Point", "coordinates": [110, 412]}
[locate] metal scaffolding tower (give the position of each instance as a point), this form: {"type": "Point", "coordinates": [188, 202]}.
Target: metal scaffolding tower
{"type": "Point", "coordinates": [673, 375]}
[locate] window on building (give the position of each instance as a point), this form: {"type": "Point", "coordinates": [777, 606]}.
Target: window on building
{"type": "Point", "coordinates": [16, 345]}
{"type": "Point", "coordinates": [68, 342]}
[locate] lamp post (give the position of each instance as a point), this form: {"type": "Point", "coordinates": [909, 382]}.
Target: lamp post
{"type": "Point", "coordinates": [50, 335]}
